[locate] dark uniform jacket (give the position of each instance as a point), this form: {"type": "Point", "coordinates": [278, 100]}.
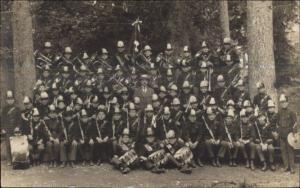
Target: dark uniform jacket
{"type": "Point", "coordinates": [103, 127]}
{"type": "Point", "coordinates": [245, 131]}
{"type": "Point", "coordinates": [193, 131]}
{"type": "Point", "coordinates": [216, 128]}
{"type": "Point", "coordinates": [26, 122]}
{"type": "Point", "coordinates": [53, 125]}
{"type": "Point", "coordinates": [83, 133]}
{"type": "Point", "coordinates": [233, 131]}
{"type": "Point", "coordinates": [10, 119]}
{"type": "Point", "coordinates": [286, 122]}
{"type": "Point", "coordinates": [265, 132]}
{"type": "Point", "coordinates": [272, 119]}
{"type": "Point", "coordinates": [115, 128]}
{"type": "Point", "coordinates": [40, 132]}
{"type": "Point", "coordinates": [261, 100]}
{"type": "Point", "coordinates": [68, 130]}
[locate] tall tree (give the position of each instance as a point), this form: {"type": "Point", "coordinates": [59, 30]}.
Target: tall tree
{"type": "Point", "coordinates": [6, 65]}
{"type": "Point", "coordinates": [260, 46]}
{"type": "Point", "coordinates": [24, 67]}
{"type": "Point", "coordinates": [180, 24]}
{"type": "Point", "coordinates": [224, 18]}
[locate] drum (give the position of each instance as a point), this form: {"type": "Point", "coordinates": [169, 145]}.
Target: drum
{"type": "Point", "coordinates": [294, 140]}
{"type": "Point", "coordinates": [129, 157]}
{"type": "Point", "coordinates": [19, 149]}
{"type": "Point", "coordinates": [158, 157]}
{"type": "Point", "coordinates": [184, 154]}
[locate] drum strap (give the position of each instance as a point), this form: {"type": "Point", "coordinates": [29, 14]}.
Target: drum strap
{"type": "Point", "coordinates": [11, 110]}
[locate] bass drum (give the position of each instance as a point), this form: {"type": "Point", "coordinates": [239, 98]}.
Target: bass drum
{"type": "Point", "coordinates": [19, 150]}
{"type": "Point", "coordinates": [294, 140]}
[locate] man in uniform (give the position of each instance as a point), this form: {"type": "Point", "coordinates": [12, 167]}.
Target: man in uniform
{"type": "Point", "coordinates": [46, 77]}
{"type": "Point", "coordinates": [10, 117]}
{"type": "Point", "coordinates": [165, 124]}
{"type": "Point", "coordinates": [45, 57]}
{"type": "Point", "coordinates": [149, 120]}
{"type": "Point", "coordinates": [67, 138]}
{"type": "Point", "coordinates": [260, 100]}
{"type": "Point", "coordinates": [192, 135]}
{"type": "Point", "coordinates": [204, 94]}
{"type": "Point", "coordinates": [228, 138]}
{"type": "Point", "coordinates": [26, 123]}
{"type": "Point", "coordinates": [227, 52]}
{"type": "Point", "coordinates": [152, 155]}
{"type": "Point", "coordinates": [245, 141]}
{"type": "Point", "coordinates": [84, 137]}
{"type": "Point", "coordinates": [287, 123]}
{"type": "Point", "coordinates": [40, 135]}
{"type": "Point", "coordinates": [163, 95]}
{"type": "Point", "coordinates": [264, 140]}
{"type": "Point", "coordinates": [52, 125]}
{"type": "Point", "coordinates": [125, 157]}
{"type": "Point", "coordinates": [177, 115]}
{"type": "Point", "coordinates": [239, 94]}
{"type": "Point", "coordinates": [103, 62]}
{"type": "Point", "coordinates": [43, 105]}
{"type": "Point", "coordinates": [272, 119]}
{"type": "Point", "coordinates": [66, 78]}
{"type": "Point", "coordinates": [186, 92]}
{"type": "Point", "coordinates": [211, 135]}
{"type": "Point", "coordinates": [166, 59]}
{"type": "Point", "coordinates": [186, 73]}
{"type": "Point", "coordinates": [117, 124]}
{"type": "Point", "coordinates": [66, 60]}
{"type": "Point", "coordinates": [103, 148]}
{"type": "Point", "coordinates": [121, 58]}
{"type": "Point", "coordinates": [133, 121]}
{"type": "Point", "coordinates": [144, 60]}
{"type": "Point", "coordinates": [204, 54]}
{"type": "Point", "coordinates": [219, 90]}
{"type": "Point", "coordinates": [178, 154]}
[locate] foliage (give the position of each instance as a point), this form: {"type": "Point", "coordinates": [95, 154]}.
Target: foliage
{"type": "Point", "coordinates": [91, 25]}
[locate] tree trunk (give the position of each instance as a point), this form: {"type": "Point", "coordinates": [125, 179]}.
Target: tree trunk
{"type": "Point", "coordinates": [6, 61]}
{"type": "Point", "coordinates": [224, 18]}
{"type": "Point", "coordinates": [180, 25]}
{"type": "Point", "coordinates": [24, 66]}
{"type": "Point", "coordinates": [260, 46]}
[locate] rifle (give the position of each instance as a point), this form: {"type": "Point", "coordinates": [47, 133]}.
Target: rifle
{"type": "Point", "coordinates": [64, 128]}
{"type": "Point", "coordinates": [81, 131]}
{"type": "Point", "coordinates": [229, 136]}
{"type": "Point", "coordinates": [263, 146]}
{"type": "Point", "coordinates": [208, 128]}
{"type": "Point", "coordinates": [97, 125]}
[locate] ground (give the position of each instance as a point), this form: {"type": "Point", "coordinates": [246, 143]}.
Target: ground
{"type": "Point", "coordinates": [106, 176]}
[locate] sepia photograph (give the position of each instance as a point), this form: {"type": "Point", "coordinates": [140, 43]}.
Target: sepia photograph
{"type": "Point", "coordinates": [150, 93]}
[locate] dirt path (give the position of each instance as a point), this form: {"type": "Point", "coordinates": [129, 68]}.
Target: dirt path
{"type": "Point", "coordinates": [105, 176]}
